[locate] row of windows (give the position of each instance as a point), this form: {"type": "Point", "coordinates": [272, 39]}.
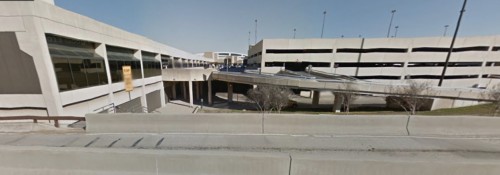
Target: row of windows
{"type": "Point", "coordinates": [441, 64]}
{"type": "Point", "coordinates": [385, 64]}
{"type": "Point", "coordinates": [378, 50]}
{"type": "Point", "coordinates": [255, 55]}
{"type": "Point", "coordinates": [283, 64]}
{"type": "Point", "coordinates": [75, 63]}
{"type": "Point", "coordinates": [447, 77]}
{"type": "Point", "coordinates": [374, 64]}
{"type": "Point", "coordinates": [297, 51]}
{"type": "Point", "coordinates": [373, 50]}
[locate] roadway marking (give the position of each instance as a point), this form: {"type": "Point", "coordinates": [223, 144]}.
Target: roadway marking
{"type": "Point", "coordinates": [91, 142]}
{"type": "Point", "coordinates": [137, 142]}
{"type": "Point", "coordinates": [113, 143]}
{"type": "Point", "coordinates": [159, 142]}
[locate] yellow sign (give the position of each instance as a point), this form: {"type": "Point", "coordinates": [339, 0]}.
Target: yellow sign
{"type": "Point", "coordinates": [127, 78]}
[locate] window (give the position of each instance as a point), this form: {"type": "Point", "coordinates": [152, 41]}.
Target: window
{"type": "Point", "coordinates": [381, 50]}
{"type": "Point", "coordinates": [495, 64]}
{"type": "Point", "coordinates": [365, 64]}
{"type": "Point", "coordinates": [118, 57]}
{"type": "Point", "coordinates": [166, 61]}
{"type": "Point", "coordinates": [497, 48]}
{"type": "Point", "coordinates": [297, 51]}
{"type": "Point", "coordinates": [152, 67]}
{"type": "Point", "coordinates": [439, 76]}
{"type": "Point", "coordinates": [75, 63]}
{"type": "Point", "coordinates": [442, 49]}
{"type": "Point", "coordinates": [441, 64]}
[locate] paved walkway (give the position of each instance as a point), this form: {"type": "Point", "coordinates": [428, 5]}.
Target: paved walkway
{"type": "Point", "coordinates": [176, 107]}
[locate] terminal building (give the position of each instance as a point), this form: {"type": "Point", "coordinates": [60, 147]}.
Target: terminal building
{"type": "Point", "coordinates": [475, 61]}
{"type": "Point", "coordinates": [225, 58]}
{"type": "Point", "coordinates": [54, 62]}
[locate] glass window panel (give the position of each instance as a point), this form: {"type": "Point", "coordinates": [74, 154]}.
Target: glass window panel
{"type": "Point", "coordinates": [63, 73]}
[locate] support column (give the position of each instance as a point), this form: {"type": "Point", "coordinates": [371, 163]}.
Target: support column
{"type": "Point", "coordinates": [190, 93]}
{"type": "Point", "coordinates": [229, 92]}
{"type": "Point", "coordinates": [197, 90]}
{"type": "Point", "coordinates": [337, 103]}
{"type": "Point", "coordinates": [210, 102]}
{"type": "Point", "coordinates": [174, 91]}
{"type": "Point", "coordinates": [315, 100]}
{"type": "Point", "coordinates": [184, 93]}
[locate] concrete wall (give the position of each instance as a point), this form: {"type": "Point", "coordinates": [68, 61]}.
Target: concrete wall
{"type": "Point", "coordinates": [392, 125]}
{"type": "Point", "coordinates": [382, 164]}
{"type": "Point", "coordinates": [91, 161]}
{"type": "Point", "coordinates": [454, 125]}
{"type": "Point", "coordinates": [333, 125]}
{"type": "Point", "coordinates": [158, 123]}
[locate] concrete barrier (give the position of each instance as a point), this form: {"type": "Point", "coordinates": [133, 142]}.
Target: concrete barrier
{"type": "Point", "coordinates": [161, 123]}
{"type": "Point", "coordinates": [383, 164]}
{"type": "Point", "coordinates": [454, 125]}
{"type": "Point", "coordinates": [92, 161]}
{"type": "Point", "coordinates": [335, 125]}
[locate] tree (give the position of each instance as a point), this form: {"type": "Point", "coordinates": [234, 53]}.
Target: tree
{"type": "Point", "coordinates": [409, 97]}
{"type": "Point", "coordinates": [268, 98]}
{"type": "Point", "coordinates": [494, 95]}
{"type": "Point", "coordinates": [347, 96]}
{"type": "Point", "coordinates": [280, 97]}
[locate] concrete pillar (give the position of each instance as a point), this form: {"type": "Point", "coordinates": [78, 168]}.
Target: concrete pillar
{"type": "Point", "coordinates": [210, 101]}
{"type": "Point", "coordinates": [174, 91]}
{"type": "Point", "coordinates": [337, 103]}
{"type": "Point", "coordinates": [229, 92]}
{"type": "Point", "coordinates": [184, 95]}
{"type": "Point", "coordinates": [144, 101]}
{"type": "Point", "coordinates": [197, 90]}
{"type": "Point", "coordinates": [190, 93]}
{"type": "Point", "coordinates": [315, 100]}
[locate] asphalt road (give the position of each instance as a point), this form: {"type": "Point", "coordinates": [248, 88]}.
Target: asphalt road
{"type": "Point", "coordinates": [257, 143]}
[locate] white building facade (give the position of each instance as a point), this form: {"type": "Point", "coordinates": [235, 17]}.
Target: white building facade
{"type": "Point", "coordinates": [475, 61]}
{"type": "Point", "coordinates": [54, 62]}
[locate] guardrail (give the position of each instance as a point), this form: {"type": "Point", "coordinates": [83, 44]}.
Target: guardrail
{"type": "Point", "coordinates": [36, 118]}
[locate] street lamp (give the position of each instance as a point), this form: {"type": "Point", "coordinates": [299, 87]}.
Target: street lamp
{"type": "Point", "coordinates": [256, 31]}
{"type": "Point", "coordinates": [390, 23]}
{"type": "Point", "coordinates": [323, 27]}
{"type": "Point", "coordinates": [445, 29]}
{"type": "Point", "coordinates": [294, 31]}
{"type": "Point", "coordinates": [452, 44]}
{"type": "Point", "coordinates": [396, 32]}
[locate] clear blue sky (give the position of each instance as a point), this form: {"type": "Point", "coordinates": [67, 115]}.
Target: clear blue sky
{"type": "Point", "coordinates": [223, 25]}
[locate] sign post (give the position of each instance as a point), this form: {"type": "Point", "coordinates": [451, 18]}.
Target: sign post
{"type": "Point", "coordinates": [128, 80]}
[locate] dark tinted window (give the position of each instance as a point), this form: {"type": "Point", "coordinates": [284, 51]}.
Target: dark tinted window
{"type": "Point", "coordinates": [75, 63]}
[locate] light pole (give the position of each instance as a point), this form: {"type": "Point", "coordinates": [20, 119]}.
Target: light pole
{"type": "Point", "coordinates": [445, 29]}
{"type": "Point", "coordinates": [396, 31]}
{"type": "Point", "coordinates": [452, 44]}
{"type": "Point", "coordinates": [249, 33]}
{"type": "Point", "coordinates": [390, 23]}
{"type": "Point", "coordinates": [294, 31]}
{"type": "Point", "coordinates": [256, 31]}
{"type": "Point", "coordinates": [323, 27]}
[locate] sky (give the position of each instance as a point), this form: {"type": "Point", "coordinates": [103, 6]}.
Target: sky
{"type": "Point", "coordinates": [197, 26]}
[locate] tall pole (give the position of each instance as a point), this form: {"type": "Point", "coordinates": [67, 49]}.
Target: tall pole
{"type": "Point", "coordinates": [396, 31]}
{"type": "Point", "coordinates": [249, 33]}
{"type": "Point", "coordinates": [452, 44]}
{"type": "Point", "coordinates": [323, 27]}
{"type": "Point", "coordinates": [445, 29]}
{"type": "Point", "coordinates": [256, 31]}
{"type": "Point", "coordinates": [390, 23]}
{"type": "Point", "coordinates": [294, 31]}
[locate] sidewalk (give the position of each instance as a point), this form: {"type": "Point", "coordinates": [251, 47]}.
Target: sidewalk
{"type": "Point", "coordinates": [176, 107]}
